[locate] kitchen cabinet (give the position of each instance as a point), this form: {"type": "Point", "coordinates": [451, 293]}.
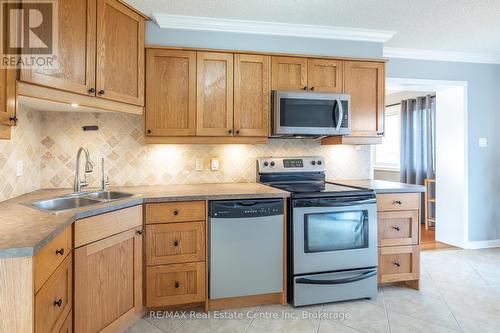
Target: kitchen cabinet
{"type": "Point", "coordinates": [289, 73]}
{"type": "Point", "coordinates": [171, 98]}
{"type": "Point", "coordinates": [214, 100]}
{"type": "Point", "coordinates": [100, 60]}
{"type": "Point", "coordinates": [7, 98]}
{"type": "Point", "coordinates": [252, 91]}
{"type": "Point", "coordinates": [176, 249]}
{"type": "Point", "coordinates": [399, 238]}
{"type": "Point", "coordinates": [108, 272]}
{"type": "Point", "coordinates": [325, 75]}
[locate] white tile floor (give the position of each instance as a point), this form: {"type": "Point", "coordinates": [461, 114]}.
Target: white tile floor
{"type": "Point", "coordinates": [460, 292]}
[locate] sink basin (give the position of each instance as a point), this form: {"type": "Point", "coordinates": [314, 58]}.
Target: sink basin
{"type": "Point", "coordinates": [60, 204]}
{"type": "Point", "coordinates": [108, 195]}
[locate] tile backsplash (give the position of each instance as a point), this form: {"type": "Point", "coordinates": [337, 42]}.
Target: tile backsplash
{"type": "Point", "coordinates": [48, 142]}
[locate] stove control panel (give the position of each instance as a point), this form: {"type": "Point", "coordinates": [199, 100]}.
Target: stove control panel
{"type": "Point", "coordinates": [290, 164]}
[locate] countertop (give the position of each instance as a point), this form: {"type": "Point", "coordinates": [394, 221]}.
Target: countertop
{"type": "Point", "coordinates": [25, 230]}
{"type": "Point", "coordinates": [380, 186]}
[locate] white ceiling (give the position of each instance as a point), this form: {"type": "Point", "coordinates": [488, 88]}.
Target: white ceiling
{"type": "Point", "coordinates": [442, 25]}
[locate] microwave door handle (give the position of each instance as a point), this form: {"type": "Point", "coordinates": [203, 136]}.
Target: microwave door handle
{"type": "Point", "coordinates": [360, 277]}
{"type": "Point", "coordinates": [341, 115]}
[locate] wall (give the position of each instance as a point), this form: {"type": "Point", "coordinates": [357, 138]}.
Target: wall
{"type": "Point", "coordinates": [392, 176]}
{"type": "Point", "coordinates": [23, 146]}
{"type": "Point", "coordinates": [120, 140]}
{"type": "Point", "coordinates": [483, 82]}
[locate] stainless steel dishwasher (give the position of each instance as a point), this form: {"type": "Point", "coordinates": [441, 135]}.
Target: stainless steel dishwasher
{"type": "Point", "coordinates": [246, 247]}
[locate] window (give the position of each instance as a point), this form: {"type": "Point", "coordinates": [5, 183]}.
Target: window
{"type": "Point", "coordinates": [388, 154]}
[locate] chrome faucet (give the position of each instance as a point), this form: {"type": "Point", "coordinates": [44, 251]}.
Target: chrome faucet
{"type": "Point", "coordinates": [104, 179]}
{"type": "Point", "coordinates": [77, 187]}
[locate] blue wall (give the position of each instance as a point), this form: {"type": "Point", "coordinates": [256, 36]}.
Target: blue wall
{"type": "Point", "coordinates": [483, 98]}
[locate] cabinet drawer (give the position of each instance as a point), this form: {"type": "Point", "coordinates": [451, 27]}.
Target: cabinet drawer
{"type": "Point", "coordinates": [398, 201]}
{"type": "Point", "coordinates": [53, 301]}
{"type": "Point", "coordinates": [398, 228]}
{"type": "Point", "coordinates": [182, 211]}
{"type": "Point", "coordinates": [175, 284]}
{"type": "Point", "coordinates": [398, 263]}
{"type": "Point", "coordinates": [50, 257]}
{"type": "Point", "coordinates": [175, 243]}
{"type": "Point", "coordinates": [97, 227]}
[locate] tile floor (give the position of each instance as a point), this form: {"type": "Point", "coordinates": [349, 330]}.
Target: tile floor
{"type": "Point", "coordinates": [460, 292]}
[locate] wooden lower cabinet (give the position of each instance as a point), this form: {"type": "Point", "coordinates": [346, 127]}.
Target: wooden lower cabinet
{"type": "Point", "coordinates": [67, 326]}
{"type": "Point", "coordinates": [398, 221]}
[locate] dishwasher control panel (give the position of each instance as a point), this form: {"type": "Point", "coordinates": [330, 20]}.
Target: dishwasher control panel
{"type": "Point", "coordinates": [246, 208]}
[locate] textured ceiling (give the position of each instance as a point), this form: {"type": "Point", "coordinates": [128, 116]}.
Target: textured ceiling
{"type": "Point", "coordinates": [442, 25]}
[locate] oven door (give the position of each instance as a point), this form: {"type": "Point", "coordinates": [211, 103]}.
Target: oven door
{"type": "Point", "coordinates": [331, 234]}
{"type": "Point", "coordinates": [307, 113]}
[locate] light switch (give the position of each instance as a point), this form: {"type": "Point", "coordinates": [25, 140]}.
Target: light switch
{"type": "Point", "coordinates": [19, 168]}
{"type": "Point", "coordinates": [214, 164]}
{"type": "Point", "coordinates": [199, 164]}
{"type": "Point", "coordinates": [483, 142]}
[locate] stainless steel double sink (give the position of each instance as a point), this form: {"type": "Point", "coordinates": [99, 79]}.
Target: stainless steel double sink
{"type": "Point", "coordinates": [77, 200]}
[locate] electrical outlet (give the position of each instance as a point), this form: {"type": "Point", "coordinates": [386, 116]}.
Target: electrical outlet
{"type": "Point", "coordinates": [19, 168]}
{"type": "Point", "coordinates": [214, 164]}
{"type": "Point", "coordinates": [199, 164]}
{"type": "Point", "coordinates": [483, 142]}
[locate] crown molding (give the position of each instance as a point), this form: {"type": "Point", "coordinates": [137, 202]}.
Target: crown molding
{"type": "Point", "coordinates": [270, 28]}
{"type": "Point", "coordinates": [394, 52]}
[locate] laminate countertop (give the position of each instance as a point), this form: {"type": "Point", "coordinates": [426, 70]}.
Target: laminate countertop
{"type": "Point", "coordinates": [25, 230]}
{"type": "Point", "coordinates": [380, 186]}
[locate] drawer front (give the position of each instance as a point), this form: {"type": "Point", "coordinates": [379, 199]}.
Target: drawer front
{"type": "Point", "coordinates": [175, 284]}
{"type": "Point", "coordinates": [53, 301]}
{"type": "Point", "coordinates": [67, 326]}
{"type": "Point", "coordinates": [398, 228]}
{"type": "Point", "coordinates": [399, 263]}
{"type": "Point", "coordinates": [182, 211]}
{"type": "Point", "coordinates": [50, 257]}
{"type": "Point", "coordinates": [398, 201]}
{"type": "Point", "coordinates": [175, 243]}
{"type": "Point", "coordinates": [97, 227]}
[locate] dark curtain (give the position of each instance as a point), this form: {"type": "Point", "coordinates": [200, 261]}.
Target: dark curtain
{"type": "Point", "coordinates": [418, 138]}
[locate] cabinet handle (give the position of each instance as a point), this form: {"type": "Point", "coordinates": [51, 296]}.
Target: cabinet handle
{"type": "Point", "coordinates": [230, 131]}
{"type": "Point", "coordinates": [395, 228]}
{"type": "Point", "coordinates": [13, 119]}
{"type": "Point", "coordinates": [396, 264]}
{"type": "Point", "coordinates": [305, 88]}
{"type": "Point", "coordinates": [312, 88]}
{"type": "Point", "coordinates": [58, 303]}
{"type": "Point", "coordinates": [149, 131]}
{"type": "Point", "coordinates": [177, 284]}
{"type": "Point", "coordinates": [176, 243]}
{"type": "Point", "coordinates": [91, 91]}
{"type": "Point", "coordinates": [237, 132]}
{"type": "Point", "coordinates": [176, 212]}
{"type": "Point", "coordinates": [100, 92]}
{"type": "Point", "coordinates": [60, 251]}
{"type": "Point", "coordinates": [398, 202]}
{"type": "Point", "coordinates": [139, 232]}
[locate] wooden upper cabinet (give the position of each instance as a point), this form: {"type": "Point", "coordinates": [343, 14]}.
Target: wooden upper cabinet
{"type": "Point", "coordinates": [252, 91]}
{"type": "Point", "coordinates": [7, 97]}
{"type": "Point", "coordinates": [171, 98]}
{"type": "Point", "coordinates": [214, 76]}
{"type": "Point", "coordinates": [75, 52]}
{"type": "Point", "coordinates": [289, 73]}
{"type": "Point", "coordinates": [120, 53]}
{"type": "Point", "coordinates": [365, 82]}
{"type": "Point", "coordinates": [325, 75]}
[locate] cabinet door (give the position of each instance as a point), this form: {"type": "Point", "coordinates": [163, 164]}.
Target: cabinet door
{"type": "Point", "coordinates": [76, 50]}
{"type": "Point", "coordinates": [251, 95]}
{"type": "Point", "coordinates": [365, 82]}
{"type": "Point", "coordinates": [120, 53]}
{"type": "Point", "coordinates": [7, 96]}
{"type": "Point", "coordinates": [325, 75]}
{"type": "Point", "coordinates": [289, 73]}
{"type": "Point", "coordinates": [108, 281]}
{"type": "Point", "coordinates": [214, 75]}
{"type": "Point", "coordinates": [171, 98]}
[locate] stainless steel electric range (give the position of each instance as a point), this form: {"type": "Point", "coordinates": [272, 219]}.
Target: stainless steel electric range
{"type": "Point", "coordinates": [332, 232]}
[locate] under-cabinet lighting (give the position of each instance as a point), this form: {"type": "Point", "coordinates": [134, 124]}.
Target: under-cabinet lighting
{"type": "Point", "coordinates": [74, 105]}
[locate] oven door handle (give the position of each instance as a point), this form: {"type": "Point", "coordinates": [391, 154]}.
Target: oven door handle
{"type": "Point", "coordinates": [360, 277]}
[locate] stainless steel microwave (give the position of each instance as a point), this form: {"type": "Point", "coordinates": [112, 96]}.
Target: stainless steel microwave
{"type": "Point", "coordinates": [301, 113]}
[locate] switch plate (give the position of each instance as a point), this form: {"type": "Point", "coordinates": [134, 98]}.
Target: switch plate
{"type": "Point", "coordinates": [199, 164]}
{"type": "Point", "coordinates": [483, 142]}
{"type": "Point", "coordinates": [19, 168]}
{"type": "Point", "coordinates": [214, 164]}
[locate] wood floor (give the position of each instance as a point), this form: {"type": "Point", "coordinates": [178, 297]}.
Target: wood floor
{"type": "Point", "coordinates": [428, 240]}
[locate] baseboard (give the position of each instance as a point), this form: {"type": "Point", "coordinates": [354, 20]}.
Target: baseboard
{"type": "Point", "coordinates": [474, 245]}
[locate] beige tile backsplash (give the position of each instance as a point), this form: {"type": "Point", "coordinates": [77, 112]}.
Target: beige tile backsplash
{"type": "Point", "coordinates": [48, 142]}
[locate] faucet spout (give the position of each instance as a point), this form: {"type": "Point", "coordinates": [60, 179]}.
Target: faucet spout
{"type": "Point", "coordinates": [89, 167]}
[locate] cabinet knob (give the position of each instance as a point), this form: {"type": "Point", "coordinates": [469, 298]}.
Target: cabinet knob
{"type": "Point", "coordinates": [58, 302]}
{"type": "Point", "coordinates": [176, 212]}
{"type": "Point", "coordinates": [149, 131]}
{"type": "Point", "coordinates": [60, 251]}
{"type": "Point", "coordinates": [100, 92]}
{"type": "Point", "coordinates": [396, 263]}
{"type": "Point", "coordinates": [139, 232]}
{"type": "Point", "coordinates": [305, 88]}
{"type": "Point", "coordinates": [312, 88]}
{"type": "Point", "coordinates": [395, 228]}
{"type": "Point", "coordinates": [177, 284]}
{"type": "Point", "coordinates": [397, 202]}
{"type": "Point", "coordinates": [13, 119]}
{"type": "Point", "coordinates": [230, 131]}
{"type": "Point", "coordinates": [91, 91]}
{"type": "Point", "coordinates": [237, 132]}
{"type": "Point", "coordinates": [176, 243]}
